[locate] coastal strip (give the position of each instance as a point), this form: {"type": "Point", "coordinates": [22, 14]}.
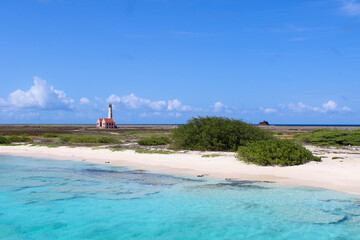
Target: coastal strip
{"type": "Point", "coordinates": [339, 169]}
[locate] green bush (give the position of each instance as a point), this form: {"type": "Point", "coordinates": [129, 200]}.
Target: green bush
{"type": "Point", "coordinates": [154, 141]}
{"type": "Point", "coordinates": [216, 134]}
{"type": "Point", "coordinates": [4, 140]}
{"type": "Point", "coordinates": [64, 138]}
{"type": "Point", "coordinates": [275, 152]}
{"type": "Point", "coordinates": [50, 135]}
{"type": "Point", "coordinates": [328, 137]}
{"type": "Point", "coordinates": [14, 138]}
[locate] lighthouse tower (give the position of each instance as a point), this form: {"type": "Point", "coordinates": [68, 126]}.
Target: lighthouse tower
{"type": "Point", "coordinates": [110, 111]}
{"type": "Point", "coordinates": [106, 122]}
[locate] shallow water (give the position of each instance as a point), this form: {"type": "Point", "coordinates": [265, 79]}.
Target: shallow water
{"type": "Point", "coordinates": [52, 199]}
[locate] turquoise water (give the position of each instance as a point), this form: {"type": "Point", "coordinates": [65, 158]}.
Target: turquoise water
{"type": "Point", "coordinates": [51, 199]}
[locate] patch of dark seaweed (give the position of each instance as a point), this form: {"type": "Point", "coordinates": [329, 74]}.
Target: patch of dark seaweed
{"type": "Point", "coordinates": [337, 200]}
{"type": "Point", "coordinates": [67, 198]}
{"type": "Point", "coordinates": [46, 179]}
{"type": "Point", "coordinates": [343, 219]}
{"type": "Point", "coordinates": [24, 188]}
{"type": "Point", "coordinates": [143, 178]}
{"type": "Point", "coordinates": [153, 193]}
{"type": "Point", "coordinates": [235, 185]}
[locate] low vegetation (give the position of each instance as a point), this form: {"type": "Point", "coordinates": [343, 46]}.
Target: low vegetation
{"type": "Point", "coordinates": [4, 140]}
{"type": "Point", "coordinates": [216, 134]}
{"type": "Point", "coordinates": [86, 139]}
{"type": "Point", "coordinates": [45, 145]}
{"type": "Point", "coordinates": [210, 155]}
{"type": "Point", "coordinates": [328, 137]}
{"type": "Point", "coordinates": [154, 141]}
{"type": "Point", "coordinates": [278, 133]}
{"type": "Point", "coordinates": [153, 151]}
{"type": "Point", "coordinates": [14, 138]}
{"type": "Point", "coordinates": [275, 152]}
{"type": "Point", "coordinates": [51, 135]}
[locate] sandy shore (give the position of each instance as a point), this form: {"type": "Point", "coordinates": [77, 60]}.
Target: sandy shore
{"type": "Point", "coordinates": [339, 170]}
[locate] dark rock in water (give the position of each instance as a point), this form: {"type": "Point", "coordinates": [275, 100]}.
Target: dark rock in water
{"type": "Point", "coordinates": [202, 175]}
{"type": "Point", "coordinates": [264, 123]}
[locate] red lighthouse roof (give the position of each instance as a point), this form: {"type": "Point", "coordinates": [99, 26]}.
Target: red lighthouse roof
{"type": "Point", "coordinates": [109, 120]}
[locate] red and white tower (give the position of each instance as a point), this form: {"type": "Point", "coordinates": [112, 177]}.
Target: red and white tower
{"type": "Point", "coordinates": [110, 111]}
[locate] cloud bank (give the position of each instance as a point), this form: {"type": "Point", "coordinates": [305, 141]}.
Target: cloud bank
{"type": "Point", "coordinates": [42, 97]}
{"type": "Point", "coordinates": [328, 107]}
{"type": "Point", "coordinates": [133, 102]}
{"type": "Point", "coordinates": [39, 96]}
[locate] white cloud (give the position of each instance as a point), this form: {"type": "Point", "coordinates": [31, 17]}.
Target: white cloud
{"type": "Point", "coordinates": [301, 107]}
{"type": "Point", "coordinates": [268, 110]}
{"type": "Point", "coordinates": [39, 96]}
{"type": "Point", "coordinates": [346, 109]}
{"type": "Point", "coordinates": [351, 7]}
{"type": "Point", "coordinates": [133, 102]}
{"type": "Point", "coordinates": [330, 106]}
{"type": "Point", "coordinates": [172, 114]}
{"type": "Point", "coordinates": [218, 106]}
{"type": "Point", "coordinates": [176, 105]}
{"type": "Point", "coordinates": [84, 100]}
{"type": "Point", "coordinates": [112, 98]}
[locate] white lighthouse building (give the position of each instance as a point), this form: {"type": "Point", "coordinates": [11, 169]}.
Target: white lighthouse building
{"type": "Point", "coordinates": [106, 122]}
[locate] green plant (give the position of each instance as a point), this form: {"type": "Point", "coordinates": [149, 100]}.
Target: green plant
{"type": "Point", "coordinates": [4, 140]}
{"type": "Point", "coordinates": [64, 138]}
{"type": "Point", "coordinates": [132, 133]}
{"type": "Point", "coordinates": [14, 138]}
{"type": "Point", "coordinates": [52, 146]}
{"type": "Point", "coordinates": [210, 155]}
{"type": "Point", "coordinates": [328, 137]}
{"type": "Point", "coordinates": [97, 148]}
{"type": "Point", "coordinates": [118, 149]}
{"type": "Point", "coordinates": [50, 135]}
{"type": "Point", "coordinates": [153, 151]}
{"type": "Point", "coordinates": [275, 152]}
{"type": "Point", "coordinates": [216, 134]}
{"type": "Point", "coordinates": [277, 133]}
{"type": "Point", "coordinates": [154, 141]}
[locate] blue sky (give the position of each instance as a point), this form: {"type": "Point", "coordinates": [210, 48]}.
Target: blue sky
{"type": "Point", "coordinates": [164, 61]}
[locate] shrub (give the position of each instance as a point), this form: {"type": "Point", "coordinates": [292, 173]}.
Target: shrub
{"type": "Point", "coordinates": [3, 140]}
{"type": "Point", "coordinates": [275, 152]}
{"type": "Point", "coordinates": [154, 141]}
{"type": "Point", "coordinates": [328, 137]}
{"type": "Point", "coordinates": [14, 138]}
{"type": "Point", "coordinates": [105, 140]}
{"type": "Point", "coordinates": [216, 134]}
{"type": "Point", "coordinates": [50, 135]}
{"type": "Point", "coordinates": [65, 138]}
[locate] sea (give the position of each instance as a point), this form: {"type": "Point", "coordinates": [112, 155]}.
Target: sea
{"type": "Point", "coordinates": [55, 199]}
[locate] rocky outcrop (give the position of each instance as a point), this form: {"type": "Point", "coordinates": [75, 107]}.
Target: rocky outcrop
{"type": "Point", "coordinates": [264, 123]}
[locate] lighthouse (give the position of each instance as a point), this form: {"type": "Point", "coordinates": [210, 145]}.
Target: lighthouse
{"type": "Point", "coordinates": [106, 122]}
{"type": "Point", "coordinates": [110, 111]}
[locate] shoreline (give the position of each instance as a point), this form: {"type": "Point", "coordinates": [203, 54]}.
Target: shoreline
{"type": "Point", "coordinates": [338, 171]}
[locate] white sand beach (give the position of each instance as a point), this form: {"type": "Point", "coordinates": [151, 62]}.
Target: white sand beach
{"type": "Point", "coordinates": [339, 169]}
